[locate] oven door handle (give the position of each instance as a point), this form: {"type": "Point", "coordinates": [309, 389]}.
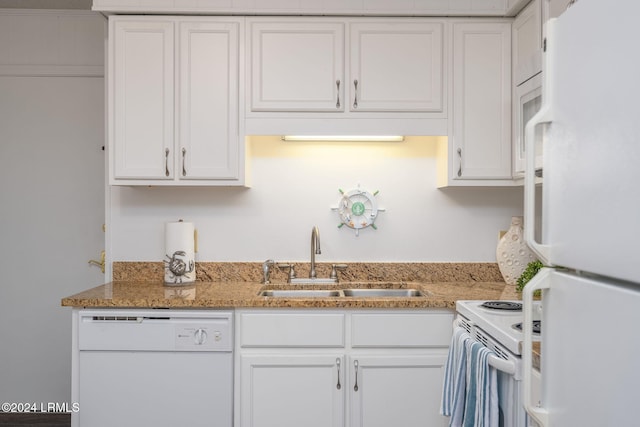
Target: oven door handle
{"type": "Point", "coordinates": [506, 366]}
{"type": "Point", "coordinates": [539, 281]}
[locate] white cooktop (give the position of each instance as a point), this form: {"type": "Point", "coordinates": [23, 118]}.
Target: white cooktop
{"type": "Point", "coordinates": [498, 324]}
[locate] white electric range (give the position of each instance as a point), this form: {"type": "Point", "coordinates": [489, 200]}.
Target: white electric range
{"type": "Point", "coordinates": [498, 326]}
{"type": "Point", "coordinates": [499, 320]}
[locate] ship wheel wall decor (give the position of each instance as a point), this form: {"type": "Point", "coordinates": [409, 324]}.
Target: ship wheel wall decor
{"type": "Point", "coordinates": [358, 209]}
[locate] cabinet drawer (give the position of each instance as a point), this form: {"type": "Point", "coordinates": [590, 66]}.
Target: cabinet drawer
{"type": "Point", "coordinates": [291, 330]}
{"type": "Point", "coordinates": [401, 330]}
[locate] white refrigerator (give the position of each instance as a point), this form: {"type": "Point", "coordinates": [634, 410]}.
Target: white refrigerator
{"type": "Point", "coordinates": [589, 219]}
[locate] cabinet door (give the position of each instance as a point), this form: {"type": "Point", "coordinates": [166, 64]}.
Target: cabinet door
{"type": "Point", "coordinates": [208, 100]}
{"type": "Point", "coordinates": [141, 93]}
{"type": "Point", "coordinates": [481, 146]}
{"type": "Point", "coordinates": [396, 67]}
{"type": "Point", "coordinates": [292, 391]}
{"type": "Point", "coordinates": [527, 43]}
{"type": "Point", "coordinates": [297, 66]}
{"type": "Point", "coordinates": [397, 390]}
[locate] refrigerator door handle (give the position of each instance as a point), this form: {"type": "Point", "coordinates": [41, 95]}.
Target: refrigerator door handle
{"type": "Point", "coordinates": [539, 281]}
{"type": "Point", "coordinates": [541, 250]}
{"type": "Point", "coordinates": [544, 115]}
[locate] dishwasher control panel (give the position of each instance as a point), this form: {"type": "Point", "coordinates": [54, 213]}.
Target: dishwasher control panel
{"type": "Point", "coordinates": [149, 330]}
{"type": "Point", "coordinates": [202, 336]}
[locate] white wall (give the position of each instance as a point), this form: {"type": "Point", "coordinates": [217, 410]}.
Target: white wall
{"type": "Point", "coordinates": [52, 189]}
{"type": "Point", "coordinates": [51, 215]}
{"type": "Point", "coordinates": [293, 187]}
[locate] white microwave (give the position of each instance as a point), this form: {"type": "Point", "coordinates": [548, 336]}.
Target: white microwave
{"type": "Point", "coordinates": [527, 102]}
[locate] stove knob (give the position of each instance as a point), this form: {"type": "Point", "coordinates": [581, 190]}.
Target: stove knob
{"type": "Point", "coordinates": [200, 336]}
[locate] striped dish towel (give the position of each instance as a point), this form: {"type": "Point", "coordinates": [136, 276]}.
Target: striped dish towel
{"type": "Point", "coordinates": [481, 408]}
{"type": "Point", "coordinates": [454, 386]}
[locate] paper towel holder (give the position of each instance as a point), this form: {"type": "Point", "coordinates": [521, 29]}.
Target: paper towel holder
{"type": "Point", "coordinates": [180, 263]}
{"type": "Point", "coordinates": [195, 239]}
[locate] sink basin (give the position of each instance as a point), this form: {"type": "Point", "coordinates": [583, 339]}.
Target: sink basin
{"type": "Point", "coordinates": [301, 293]}
{"type": "Point", "coordinates": [355, 291]}
{"type": "Point", "coordinates": [382, 293]}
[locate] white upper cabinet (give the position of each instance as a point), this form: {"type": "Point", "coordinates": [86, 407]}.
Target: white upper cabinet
{"type": "Point", "coordinates": [141, 93]}
{"type": "Point", "coordinates": [174, 101]}
{"type": "Point", "coordinates": [396, 67]}
{"type": "Point", "coordinates": [208, 100]}
{"type": "Point", "coordinates": [479, 146]}
{"type": "Point", "coordinates": [297, 66]}
{"type": "Point", "coordinates": [527, 43]}
{"type": "Point", "coordinates": [527, 80]}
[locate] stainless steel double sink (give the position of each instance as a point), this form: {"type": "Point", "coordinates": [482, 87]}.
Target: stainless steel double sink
{"type": "Point", "coordinates": [351, 292]}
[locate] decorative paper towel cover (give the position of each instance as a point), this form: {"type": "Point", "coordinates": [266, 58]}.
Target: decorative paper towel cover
{"type": "Point", "coordinates": [512, 252]}
{"type": "Point", "coordinates": [180, 264]}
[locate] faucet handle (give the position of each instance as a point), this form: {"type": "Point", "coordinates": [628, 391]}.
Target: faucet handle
{"type": "Point", "coordinates": [291, 272]}
{"type": "Point", "coordinates": [335, 268]}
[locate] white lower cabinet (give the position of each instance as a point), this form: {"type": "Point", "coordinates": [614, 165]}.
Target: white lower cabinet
{"type": "Point", "coordinates": [352, 376]}
{"type": "Point", "coordinates": [292, 390]}
{"type": "Point", "coordinates": [396, 390]}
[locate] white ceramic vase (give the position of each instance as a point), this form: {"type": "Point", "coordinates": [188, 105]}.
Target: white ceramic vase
{"type": "Point", "coordinates": [512, 252]}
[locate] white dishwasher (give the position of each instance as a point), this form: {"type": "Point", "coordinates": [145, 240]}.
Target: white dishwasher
{"type": "Point", "coordinates": [152, 368]}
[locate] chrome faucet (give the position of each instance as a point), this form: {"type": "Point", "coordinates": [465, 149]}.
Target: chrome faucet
{"type": "Point", "coordinates": [266, 270]}
{"type": "Point", "coordinates": [315, 249]}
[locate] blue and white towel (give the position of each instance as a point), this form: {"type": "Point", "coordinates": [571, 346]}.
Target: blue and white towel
{"type": "Point", "coordinates": [481, 407]}
{"type": "Point", "coordinates": [454, 387]}
{"type": "Point", "coordinates": [470, 389]}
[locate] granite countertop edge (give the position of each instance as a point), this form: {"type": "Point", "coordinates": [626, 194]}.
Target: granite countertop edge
{"type": "Point", "coordinates": [230, 295]}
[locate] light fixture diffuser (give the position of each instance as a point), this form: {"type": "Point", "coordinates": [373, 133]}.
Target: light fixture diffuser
{"type": "Point", "coordinates": [372, 138]}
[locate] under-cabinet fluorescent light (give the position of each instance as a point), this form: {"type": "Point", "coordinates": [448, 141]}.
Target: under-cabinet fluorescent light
{"type": "Point", "coordinates": [373, 138]}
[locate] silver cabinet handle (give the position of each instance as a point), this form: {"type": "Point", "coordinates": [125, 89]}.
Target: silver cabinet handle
{"type": "Point", "coordinates": [338, 91]}
{"type": "Point", "coordinates": [338, 386]}
{"type": "Point", "coordinates": [460, 166]}
{"type": "Point", "coordinates": [184, 155]}
{"type": "Point", "coordinates": [355, 98]}
{"type": "Point", "coordinates": [166, 162]}
{"type": "Point", "coordinates": [355, 365]}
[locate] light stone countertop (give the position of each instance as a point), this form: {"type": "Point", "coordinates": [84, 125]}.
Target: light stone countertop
{"type": "Point", "coordinates": [236, 285]}
{"type": "Point", "coordinates": [228, 294]}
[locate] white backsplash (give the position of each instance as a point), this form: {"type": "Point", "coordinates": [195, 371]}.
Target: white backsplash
{"type": "Point", "coordinates": [293, 187]}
